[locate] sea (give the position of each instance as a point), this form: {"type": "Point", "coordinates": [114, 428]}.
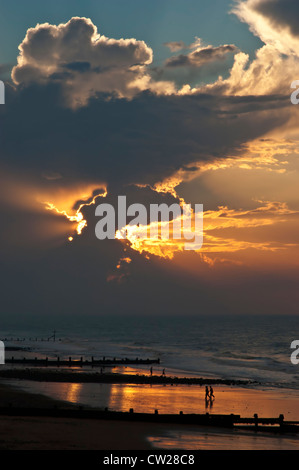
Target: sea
{"type": "Point", "coordinates": [256, 348]}
{"type": "Point", "coordinates": [231, 347]}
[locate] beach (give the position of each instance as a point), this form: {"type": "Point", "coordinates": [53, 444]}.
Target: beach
{"type": "Point", "coordinates": [55, 433]}
{"type": "Point", "coordinates": [259, 381]}
{"type": "Point", "coordinates": [19, 433]}
{"type": "Point", "coordinates": [69, 433]}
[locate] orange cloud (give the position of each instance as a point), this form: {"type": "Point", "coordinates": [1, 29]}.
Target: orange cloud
{"type": "Point", "coordinates": [62, 199]}
{"type": "Point", "coordinates": [215, 226]}
{"type": "Point", "coordinates": [65, 203]}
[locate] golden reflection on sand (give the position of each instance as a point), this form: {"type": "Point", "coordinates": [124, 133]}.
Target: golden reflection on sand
{"type": "Point", "coordinates": [148, 398]}
{"type": "Point", "coordinates": [70, 392]}
{"type": "Point", "coordinates": [191, 399]}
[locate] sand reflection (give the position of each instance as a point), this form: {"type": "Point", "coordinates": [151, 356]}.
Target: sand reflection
{"type": "Point", "coordinates": [148, 398]}
{"type": "Point", "coordinates": [73, 392]}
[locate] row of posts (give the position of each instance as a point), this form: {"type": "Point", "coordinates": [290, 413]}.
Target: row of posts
{"type": "Point", "coordinates": [256, 420]}
{"type": "Point", "coordinates": [58, 359]}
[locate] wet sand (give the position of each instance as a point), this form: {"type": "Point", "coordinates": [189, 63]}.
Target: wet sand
{"type": "Point", "coordinates": [44, 433]}
{"type": "Point", "coordinates": [269, 403]}
{"type": "Point", "coordinates": [52, 433]}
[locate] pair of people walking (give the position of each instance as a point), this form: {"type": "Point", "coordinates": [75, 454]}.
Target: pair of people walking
{"type": "Point", "coordinates": [209, 393]}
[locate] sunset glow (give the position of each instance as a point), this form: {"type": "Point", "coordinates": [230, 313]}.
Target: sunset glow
{"type": "Point", "coordinates": [77, 217]}
{"type": "Point", "coordinates": [189, 117]}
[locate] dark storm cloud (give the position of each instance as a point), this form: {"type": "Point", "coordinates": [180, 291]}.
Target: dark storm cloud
{"type": "Point", "coordinates": [127, 141]}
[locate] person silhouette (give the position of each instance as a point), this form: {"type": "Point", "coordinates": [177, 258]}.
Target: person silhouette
{"type": "Point", "coordinates": [212, 393]}
{"type": "Point", "coordinates": [207, 393]}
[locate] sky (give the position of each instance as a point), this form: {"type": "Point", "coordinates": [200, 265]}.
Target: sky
{"type": "Point", "coordinates": [163, 102]}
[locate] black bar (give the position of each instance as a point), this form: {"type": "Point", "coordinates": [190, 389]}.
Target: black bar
{"type": "Point", "coordinates": [159, 458]}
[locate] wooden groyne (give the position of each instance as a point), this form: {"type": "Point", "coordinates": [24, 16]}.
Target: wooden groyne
{"type": "Point", "coordinates": [81, 362]}
{"type": "Point", "coordinates": [47, 375]}
{"type": "Point", "coordinates": [230, 421]}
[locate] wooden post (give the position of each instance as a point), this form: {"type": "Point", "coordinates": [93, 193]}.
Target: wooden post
{"type": "Point", "coordinates": [256, 420]}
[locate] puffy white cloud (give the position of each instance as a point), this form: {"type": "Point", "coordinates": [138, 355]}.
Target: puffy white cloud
{"type": "Point", "coordinates": [269, 73]}
{"type": "Point", "coordinates": [275, 22]}
{"type": "Point", "coordinates": [85, 62]}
